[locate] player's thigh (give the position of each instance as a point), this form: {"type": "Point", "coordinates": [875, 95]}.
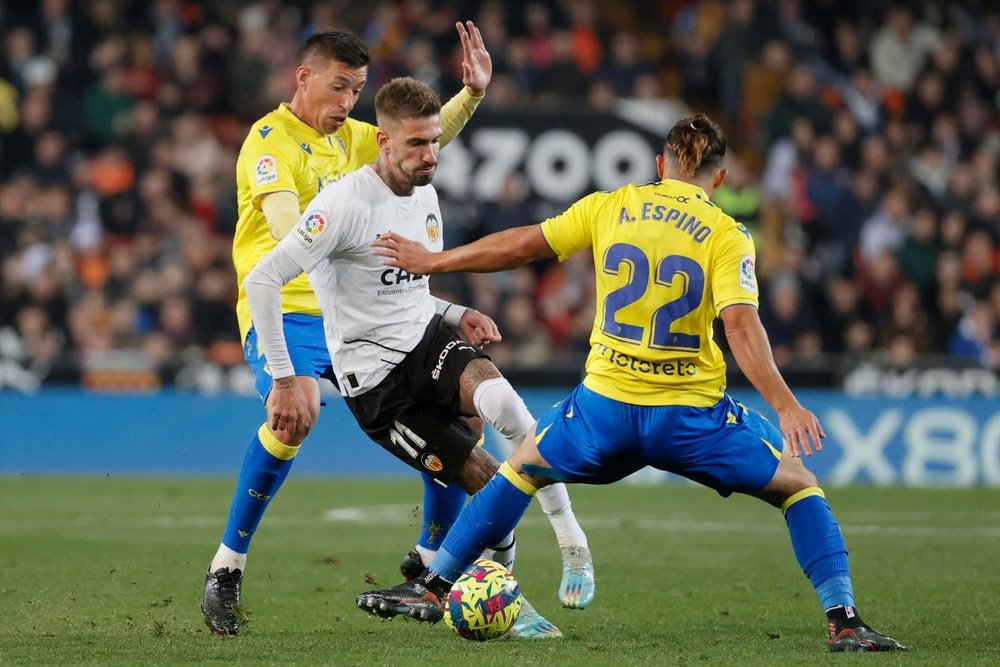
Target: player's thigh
{"type": "Point", "coordinates": [586, 438]}
{"type": "Point", "coordinates": [434, 369]}
{"type": "Point", "coordinates": [726, 447]}
{"type": "Point", "coordinates": [477, 471]}
{"type": "Point", "coordinates": [428, 438]}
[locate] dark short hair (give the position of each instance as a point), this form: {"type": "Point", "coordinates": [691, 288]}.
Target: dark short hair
{"type": "Point", "coordinates": [337, 45]}
{"type": "Point", "coordinates": [405, 97]}
{"type": "Point", "coordinates": [698, 144]}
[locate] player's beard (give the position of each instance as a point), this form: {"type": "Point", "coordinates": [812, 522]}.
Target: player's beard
{"type": "Point", "coordinates": [418, 177]}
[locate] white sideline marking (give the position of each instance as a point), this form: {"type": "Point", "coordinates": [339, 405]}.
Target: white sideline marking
{"type": "Point", "coordinates": [404, 514]}
{"type": "Point", "coordinates": [407, 515]}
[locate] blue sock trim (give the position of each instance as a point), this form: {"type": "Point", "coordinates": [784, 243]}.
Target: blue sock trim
{"type": "Point", "coordinates": [829, 567]}
{"type": "Point", "coordinates": [447, 566]}
{"type": "Point", "coordinates": [836, 591]}
{"type": "Point", "coordinates": [488, 518]}
{"type": "Point", "coordinates": [442, 505]}
{"type": "Point", "coordinates": [260, 478]}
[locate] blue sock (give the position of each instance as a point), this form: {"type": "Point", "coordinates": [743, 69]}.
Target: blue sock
{"type": "Point", "coordinates": [488, 518]}
{"type": "Point", "coordinates": [265, 466]}
{"type": "Point", "coordinates": [442, 505]}
{"type": "Point", "coordinates": [819, 547]}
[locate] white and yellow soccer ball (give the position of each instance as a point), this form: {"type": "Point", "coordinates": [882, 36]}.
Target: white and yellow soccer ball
{"type": "Point", "coordinates": [484, 602]}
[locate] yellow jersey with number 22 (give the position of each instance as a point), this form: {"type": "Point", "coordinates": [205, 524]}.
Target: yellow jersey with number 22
{"type": "Point", "coordinates": [667, 262]}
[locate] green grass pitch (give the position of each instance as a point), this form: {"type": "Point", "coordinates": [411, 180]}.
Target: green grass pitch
{"type": "Point", "coordinates": [109, 571]}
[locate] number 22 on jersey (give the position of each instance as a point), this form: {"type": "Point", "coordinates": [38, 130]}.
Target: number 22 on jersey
{"type": "Point", "coordinates": [674, 272]}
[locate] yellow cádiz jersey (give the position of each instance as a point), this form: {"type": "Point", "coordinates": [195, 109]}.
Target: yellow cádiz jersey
{"type": "Point", "coordinates": [667, 262]}
{"type": "Point", "coordinates": [282, 153]}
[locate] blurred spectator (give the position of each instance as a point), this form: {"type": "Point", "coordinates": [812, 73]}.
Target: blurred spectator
{"type": "Point", "coordinates": [787, 317]}
{"type": "Point", "coordinates": [863, 97]}
{"type": "Point", "coordinates": [745, 29]}
{"type": "Point", "coordinates": [763, 83]}
{"type": "Point", "coordinates": [739, 195]}
{"type": "Point", "coordinates": [825, 187]}
{"type": "Point", "coordinates": [561, 77]}
{"type": "Point", "coordinates": [624, 65]}
{"type": "Point", "coordinates": [843, 308]}
{"type": "Point", "coordinates": [973, 338]}
{"type": "Point", "coordinates": [800, 100]}
{"type": "Point", "coordinates": [585, 38]}
{"type": "Point", "coordinates": [917, 256]}
{"type": "Point", "coordinates": [511, 209]}
{"type": "Point", "coordinates": [887, 228]}
{"type": "Point", "coordinates": [900, 47]}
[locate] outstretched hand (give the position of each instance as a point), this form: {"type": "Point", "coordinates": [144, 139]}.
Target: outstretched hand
{"type": "Point", "coordinates": [477, 66]}
{"type": "Point", "coordinates": [801, 430]}
{"type": "Point", "coordinates": [478, 329]}
{"type": "Point", "coordinates": [411, 256]}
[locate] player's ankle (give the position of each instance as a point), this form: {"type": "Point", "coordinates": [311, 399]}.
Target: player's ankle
{"type": "Point", "coordinates": [435, 583]}
{"type": "Point", "coordinates": [229, 558]}
{"type": "Point", "coordinates": [846, 616]}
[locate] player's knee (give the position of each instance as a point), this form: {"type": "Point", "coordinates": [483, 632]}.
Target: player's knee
{"type": "Point", "coordinates": [497, 402]}
{"type": "Point", "coordinates": [791, 478]}
{"type": "Point", "coordinates": [796, 479]}
{"type": "Point", "coordinates": [475, 423]}
{"type": "Point", "coordinates": [292, 437]}
{"type": "Point", "coordinates": [475, 373]}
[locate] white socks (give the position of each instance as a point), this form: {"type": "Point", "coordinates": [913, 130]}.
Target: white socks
{"type": "Point", "coordinates": [554, 500]}
{"type": "Point", "coordinates": [497, 402]}
{"type": "Point", "coordinates": [503, 553]}
{"type": "Point", "coordinates": [426, 555]}
{"type": "Point", "coordinates": [226, 557]}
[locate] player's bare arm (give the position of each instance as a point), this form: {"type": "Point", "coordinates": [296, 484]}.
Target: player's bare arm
{"type": "Point", "coordinates": [500, 251]}
{"type": "Point", "coordinates": [748, 341]}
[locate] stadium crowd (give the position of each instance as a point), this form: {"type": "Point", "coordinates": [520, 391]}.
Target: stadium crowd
{"type": "Point", "coordinates": [864, 146]}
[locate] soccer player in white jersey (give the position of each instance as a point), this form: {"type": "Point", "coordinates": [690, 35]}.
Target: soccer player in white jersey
{"type": "Point", "coordinates": [289, 155]}
{"type": "Point", "coordinates": [407, 377]}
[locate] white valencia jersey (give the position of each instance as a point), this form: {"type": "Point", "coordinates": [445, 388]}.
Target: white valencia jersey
{"type": "Point", "coordinates": [373, 314]}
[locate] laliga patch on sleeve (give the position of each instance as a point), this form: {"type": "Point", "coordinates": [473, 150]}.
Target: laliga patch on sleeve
{"type": "Point", "coordinates": [313, 224]}
{"type": "Point", "coordinates": [267, 170]}
{"type": "Point", "coordinates": [748, 280]}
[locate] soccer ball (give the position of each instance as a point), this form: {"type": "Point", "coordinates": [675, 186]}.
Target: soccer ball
{"type": "Point", "coordinates": [484, 602]}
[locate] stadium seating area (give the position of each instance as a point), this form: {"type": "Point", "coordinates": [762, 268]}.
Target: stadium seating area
{"type": "Point", "coordinates": [864, 138]}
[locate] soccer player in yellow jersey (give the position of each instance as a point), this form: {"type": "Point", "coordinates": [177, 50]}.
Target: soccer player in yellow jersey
{"type": "Point", "coordinates": [668, 263]}
{"type": "Point", "coordinates": [287, 158]}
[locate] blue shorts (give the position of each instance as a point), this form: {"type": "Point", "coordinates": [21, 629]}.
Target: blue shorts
{"type": "Point", "coordinates": [593, 439]}
{"type": "Point", "coordinates": [306, 343]}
